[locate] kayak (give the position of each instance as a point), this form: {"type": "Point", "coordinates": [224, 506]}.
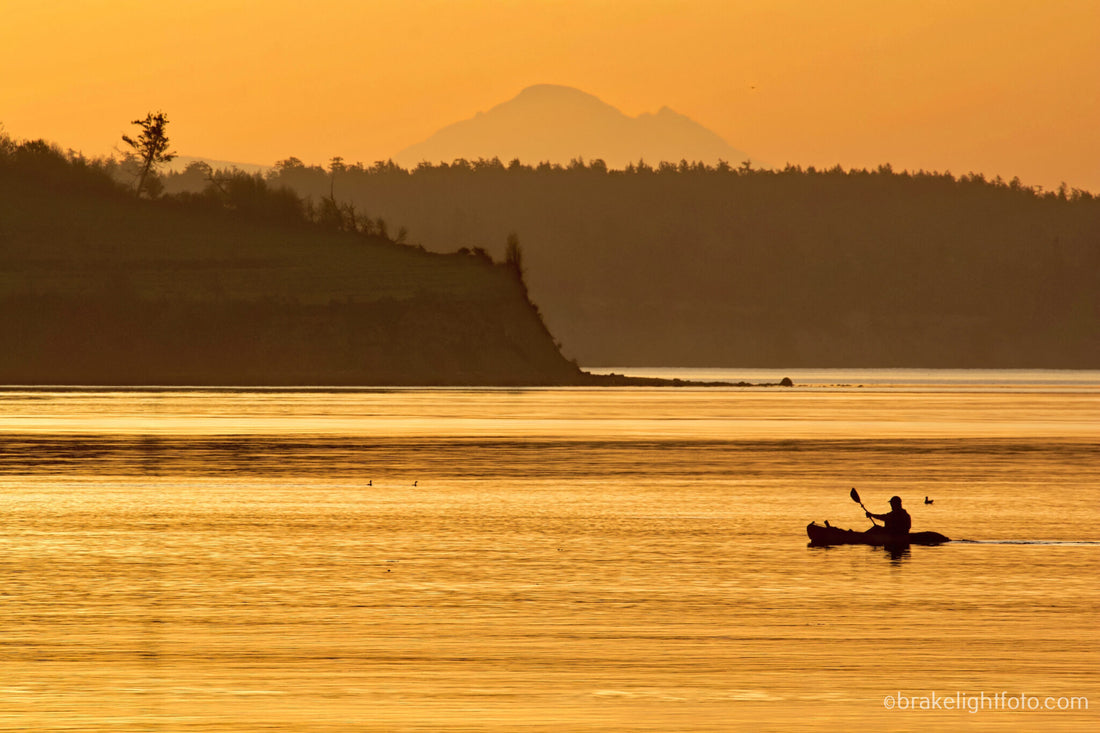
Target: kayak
{"type": "Point", "coordinates": [876, 536]}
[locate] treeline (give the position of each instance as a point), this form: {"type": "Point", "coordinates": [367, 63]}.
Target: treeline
{"type": "Point", "coordinates": [199, 188]}
{"type": "Point", "coordinates": [45, 163]}
{"type": "Point", "coordinates": [321, 181]}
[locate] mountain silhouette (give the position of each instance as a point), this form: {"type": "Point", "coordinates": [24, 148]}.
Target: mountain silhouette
{"type": "Point", "coordinates": [555, 123]}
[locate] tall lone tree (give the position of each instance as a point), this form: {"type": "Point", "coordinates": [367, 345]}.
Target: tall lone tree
{"type": "Point", "coordinates": [513, 260]}
{"type": "Point", "coordinates": [151, 146]}
{"type": "Point", "coordinates": [513, 256]}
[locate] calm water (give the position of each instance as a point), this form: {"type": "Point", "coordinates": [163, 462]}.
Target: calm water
{"type": "Point", "coordinates": [567, 560]}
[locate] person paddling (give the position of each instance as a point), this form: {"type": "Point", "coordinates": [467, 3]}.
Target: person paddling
{"type": "Point", "coordinates": [897, 521]}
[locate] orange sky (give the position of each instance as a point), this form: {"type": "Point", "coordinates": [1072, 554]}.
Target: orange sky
{"type": "Point", "coordinates": [1004, 87]}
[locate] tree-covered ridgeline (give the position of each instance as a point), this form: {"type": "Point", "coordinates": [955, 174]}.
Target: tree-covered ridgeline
{"type": "Point", "coordinates": [294, 173]}
{"type": "Point", "coordinates": [250, 196]}
{"type": "Point", "coordinates": [690, 264]}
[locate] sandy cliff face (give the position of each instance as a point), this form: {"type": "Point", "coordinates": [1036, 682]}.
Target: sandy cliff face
{"type": "Point", "coordinates": [59, 340]}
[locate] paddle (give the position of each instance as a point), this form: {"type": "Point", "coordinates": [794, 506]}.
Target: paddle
{"type": "Point", "coordinates": [855, 497]}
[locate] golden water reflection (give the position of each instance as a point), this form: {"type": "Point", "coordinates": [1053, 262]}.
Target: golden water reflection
{"type": "Point", "coordinates": [629, 560]}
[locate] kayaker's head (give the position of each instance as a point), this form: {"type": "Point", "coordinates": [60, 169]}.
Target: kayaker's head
{"type": "Point", "coordinates": [895, 502]}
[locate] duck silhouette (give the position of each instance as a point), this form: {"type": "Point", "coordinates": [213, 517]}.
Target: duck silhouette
{"type": "Point", "coordinates": [927, 500]}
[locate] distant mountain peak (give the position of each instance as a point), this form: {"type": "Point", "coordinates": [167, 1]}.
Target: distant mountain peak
{"type": "Point", "coordinates": [556, 123]}
{"type": "Point", "coordinates": [554, 97]}
{"type": "Point", "coordinates": [542, 91]}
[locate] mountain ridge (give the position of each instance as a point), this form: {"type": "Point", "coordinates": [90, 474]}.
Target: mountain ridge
{"type": "Point", "coordinates": [557, 124]}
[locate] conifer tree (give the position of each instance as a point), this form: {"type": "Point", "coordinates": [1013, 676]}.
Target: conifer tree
{"type": "Point", "coordinates": [151, 146]}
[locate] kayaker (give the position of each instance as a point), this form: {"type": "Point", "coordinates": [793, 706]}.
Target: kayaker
{"type": "Point", "coordinates": [897, 521]}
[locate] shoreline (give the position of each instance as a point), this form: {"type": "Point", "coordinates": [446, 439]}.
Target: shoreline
{"type": "Point", "coordinates": [621, 380]}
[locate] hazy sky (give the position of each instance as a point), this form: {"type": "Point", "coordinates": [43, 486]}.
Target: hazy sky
{"type": "Point", "coordinates": [1004, 87]}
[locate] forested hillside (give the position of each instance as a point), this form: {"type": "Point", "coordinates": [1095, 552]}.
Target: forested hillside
{"type": "Point", "coordinates": [728, 266]}
{"type": "Point", "coordinates": [240, 285]}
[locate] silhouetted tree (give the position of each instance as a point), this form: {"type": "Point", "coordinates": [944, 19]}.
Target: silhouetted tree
{"type": "Point", "coordinates": [336, 165]}
{"type": "Point", "coordinates": [150, 147]}
{"type": "Point", "coordinates": [513, 256]}
{"type": "Point", "coordinates": [7, 145]}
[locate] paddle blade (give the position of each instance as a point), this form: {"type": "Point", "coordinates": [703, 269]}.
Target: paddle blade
{"type": "Point", "coordinates": [855, 497]}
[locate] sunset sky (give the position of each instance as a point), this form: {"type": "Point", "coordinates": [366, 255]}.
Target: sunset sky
{"type": "Point", "coordinates": [1002, 87]}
